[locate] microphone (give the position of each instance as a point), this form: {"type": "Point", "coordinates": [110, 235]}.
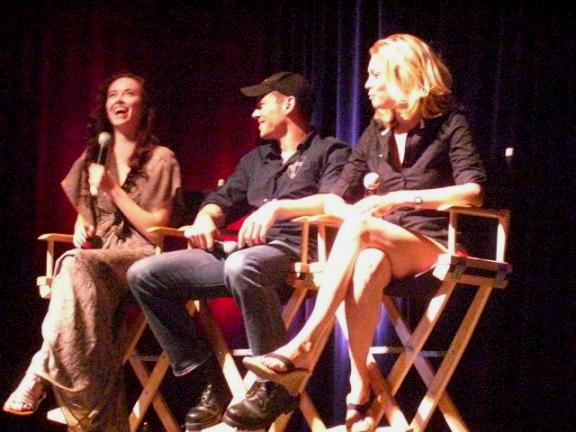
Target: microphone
{"type": "Point", "coordinates": [371, 183]}
{"type": "Point", "coordinates": [104, 140]}
{"type": "Point", "coordinates": [224, 248]}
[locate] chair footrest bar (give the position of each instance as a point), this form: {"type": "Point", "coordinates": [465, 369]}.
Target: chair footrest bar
{"type": "Point", "coordinates": [242, 352]}
{"type": "Point", "coordinates": [148, 358]}
{"type": "Point", "coordinates": [399, 350]}
{"type": "Point", "coordinates": [56, 415]}
{"type": "Point", "coordinates": [342, 428]}
{"type": "Point", "coordinates": [220, 427]}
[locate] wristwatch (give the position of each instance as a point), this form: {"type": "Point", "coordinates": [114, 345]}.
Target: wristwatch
{"type": "Point", "coordinates": [418, 201]}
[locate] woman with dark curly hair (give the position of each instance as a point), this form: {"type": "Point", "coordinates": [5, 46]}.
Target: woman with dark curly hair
{"type": "Point", "coordinates": [116, 202]}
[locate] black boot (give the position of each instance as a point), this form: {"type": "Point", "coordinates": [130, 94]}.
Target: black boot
{"type": "Point", "coordinates": [263, 403]}
{"type": "Point", "coordinates": [214, 399]}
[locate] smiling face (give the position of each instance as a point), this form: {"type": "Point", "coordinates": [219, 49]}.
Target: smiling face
{"type": "Point", "coordinates": [124, 104]}
{"type": "Point", "coordinates": [270, 113]}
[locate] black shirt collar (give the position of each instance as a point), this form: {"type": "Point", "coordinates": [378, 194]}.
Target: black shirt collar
{"type": "Point", "coordinates": [273, 152]}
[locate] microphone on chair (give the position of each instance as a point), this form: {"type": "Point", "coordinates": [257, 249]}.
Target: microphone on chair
{"type": "Point", "coordinates": [104, 140]}
{"type": "Point", "coordinates": [224, 248]}
{"type": "Point", "coordinates": [371, 183]}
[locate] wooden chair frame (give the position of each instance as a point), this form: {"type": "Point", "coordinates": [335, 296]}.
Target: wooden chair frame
{"type": "Point", "coordinates": [303, 281]}
{"type": "Point", "coordinates": [453, 270]}
{"type": "Point", "coordinates": [138, 363]}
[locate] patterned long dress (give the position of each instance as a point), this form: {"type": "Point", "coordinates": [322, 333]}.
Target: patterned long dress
{"type": "Point", "coordinates": [83, 328]}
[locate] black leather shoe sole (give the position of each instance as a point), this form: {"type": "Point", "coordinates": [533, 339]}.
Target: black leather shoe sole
{"type": "Point", "coordinates": [243, 425]}
{"type": "Point", "coordinates": [193, 427]}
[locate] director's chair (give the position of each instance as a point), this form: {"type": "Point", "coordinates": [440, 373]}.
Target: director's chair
{"type": "Point", "coordinates": [136, 326]}
{"type": "Point", "coordinates": [452, 270]}
{"type": "Point", "coordinates": [303, 281]}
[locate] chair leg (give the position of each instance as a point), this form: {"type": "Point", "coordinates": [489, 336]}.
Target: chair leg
{"type": "Point", "coordinates": [417, 340]}
{"type": "Point", "coordinates": [151, 383]}
{"type": "Point", "coordinates": [424, 368]}
{"type": "Point", "coordinates": [406, 360]}
{"type": "Point", "coordinates": [455, 352]}
{"type": "Point", "coordinates": [223, 353]}
{"type": "Point", "coordinates": [385, 402]}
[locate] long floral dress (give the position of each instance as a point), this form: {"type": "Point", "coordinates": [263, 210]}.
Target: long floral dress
{"type": "Point", "coordinates": [83, 328]}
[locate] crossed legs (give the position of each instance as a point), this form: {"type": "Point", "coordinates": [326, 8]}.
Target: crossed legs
{"type": "Point", "coordinates": [366, 255]}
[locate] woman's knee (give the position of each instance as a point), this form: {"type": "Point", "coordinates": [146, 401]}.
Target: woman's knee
{"type": "Point", "coordinates": [354, 230]}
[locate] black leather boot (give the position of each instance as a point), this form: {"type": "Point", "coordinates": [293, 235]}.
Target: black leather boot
{"type": "Point", "coordinates": [213, 401]}
{"type": "Point", "coordinates": [263, 403]}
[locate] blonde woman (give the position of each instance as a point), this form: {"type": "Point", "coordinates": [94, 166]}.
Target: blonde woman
{"type": "Point", "coordinates": [420, 147]}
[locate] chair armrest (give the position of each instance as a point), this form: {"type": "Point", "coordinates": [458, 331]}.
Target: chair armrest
{"type": "Point", "coordinates": [162, 232]}
{"type": "Point", "coordinates": [55, 237]}
{"type": "Point", "coordinates": [44, 283]}
{"type": "Point", "coordinates": [501, 215]}
{"type": "Point", "coordinates": [166, 231]}
{"type": "Point", "coordinates": [323, 219]}
{"type": "Point", "coordinates": [322, 222]}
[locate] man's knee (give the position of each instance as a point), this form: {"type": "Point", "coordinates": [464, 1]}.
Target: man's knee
{"type": "Point", "coordinates": [245, 269]}
{"type": "Point", "coordinates": [140, 273]}
{"type": "Point", "coordinates": [236, 267]}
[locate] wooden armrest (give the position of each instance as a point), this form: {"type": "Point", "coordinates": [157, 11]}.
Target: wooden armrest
{"type": "Point", "coordinates": [55, 237]}
{"type": "Point", "coordinates": [166, 231]}
{"type": "Point", "coordinates": [45, 282]}
{"type": "Point", "coordinates": [500, 214]}
{"type": "Point", "coordinates": [323, 219]}
{"type": "Point", "coordinates": [163, 232]}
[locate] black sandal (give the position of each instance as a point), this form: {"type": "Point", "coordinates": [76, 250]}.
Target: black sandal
{"type": "Point", "coordinates": [359, 411]}
{"type": "Point", "coordinates": [291, 378]}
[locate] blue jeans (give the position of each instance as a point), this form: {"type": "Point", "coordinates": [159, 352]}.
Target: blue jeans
{"type": "Point", "coordinates": [254, 276]}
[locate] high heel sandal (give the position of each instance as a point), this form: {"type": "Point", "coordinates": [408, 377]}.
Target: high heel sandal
{"type": "Point", "coordinates": [28, 395]}
{"type": "Point", "coordinates": [291, 378]}
{"type": "Point", "coordinates": [359, 413]}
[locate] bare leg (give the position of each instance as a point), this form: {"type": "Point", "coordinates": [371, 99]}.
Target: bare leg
{"type": "Point", "coordinates": [372, 273]}
{"type": "Point", "coordinates": [363, 301]}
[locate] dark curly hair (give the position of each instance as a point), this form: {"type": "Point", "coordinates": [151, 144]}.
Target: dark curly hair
{"type": "Point", "coordinates": [98, 122]}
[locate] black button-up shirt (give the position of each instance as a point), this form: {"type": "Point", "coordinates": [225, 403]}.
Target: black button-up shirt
{"type": "Point", "coordinates": [439, 153]}
{"type": "Point", "coordinates": [262, 176]}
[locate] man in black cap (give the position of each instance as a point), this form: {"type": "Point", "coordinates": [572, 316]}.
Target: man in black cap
{"type": "Point", "coordinates": [293, 162]}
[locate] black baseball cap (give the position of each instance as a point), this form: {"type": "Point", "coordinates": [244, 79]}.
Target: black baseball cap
{"type": "Point", "coordinates": [287, 83]}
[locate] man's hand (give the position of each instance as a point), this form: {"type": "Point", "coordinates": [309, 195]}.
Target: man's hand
{"type": "Point", "coordinates": [202, 233]}
{"type": "Point", "coordinates": [256, 226]}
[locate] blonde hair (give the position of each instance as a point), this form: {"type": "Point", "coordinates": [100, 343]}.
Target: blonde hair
{"type": "Point", "coordinates": [414, 74]}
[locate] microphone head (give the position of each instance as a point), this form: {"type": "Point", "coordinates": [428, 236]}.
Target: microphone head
{"type": "Point", "coordinates": [229, 246]}
{"type": "Point", "coordinates": [371, 181]}
{"type": "Point", "coordinates": [225, 248]}
{"type": "Point", "coordinates": [104, 139]}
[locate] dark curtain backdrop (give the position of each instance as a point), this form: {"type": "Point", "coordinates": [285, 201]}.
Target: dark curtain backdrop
{"type": "Point", "coordinates": [513, 64]}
